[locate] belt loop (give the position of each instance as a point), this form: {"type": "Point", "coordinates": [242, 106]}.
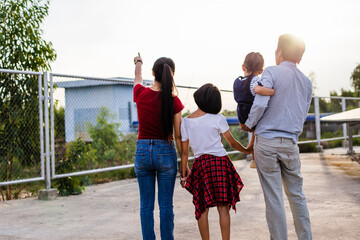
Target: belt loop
{"type": "Point", "coordinates": [282, 139]}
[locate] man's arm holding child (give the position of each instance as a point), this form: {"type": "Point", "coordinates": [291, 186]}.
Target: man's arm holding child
{"type": "Point", "coordinates": [263, 90]}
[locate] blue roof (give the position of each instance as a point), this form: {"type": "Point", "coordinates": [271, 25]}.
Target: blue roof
{"type": "Point", "coordinates": [311, 117]}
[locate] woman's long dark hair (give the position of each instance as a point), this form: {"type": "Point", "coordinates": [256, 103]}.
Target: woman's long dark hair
{"type": "Point", "coordinates": [163, 70]}
{"type": "Point", "coordinates": [253, 62]}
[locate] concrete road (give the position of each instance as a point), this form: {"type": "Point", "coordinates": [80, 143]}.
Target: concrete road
{"type": "Point", "coordinates": [111, 210]}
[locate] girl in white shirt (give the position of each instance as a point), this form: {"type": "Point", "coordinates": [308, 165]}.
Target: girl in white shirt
{"type": "Point", "coordinates": [213, 180]}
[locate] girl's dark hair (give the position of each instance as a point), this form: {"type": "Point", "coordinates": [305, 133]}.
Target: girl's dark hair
{"type": "Point", "coordinates": [163, 70]}
{"type": "Point", "coordinates": [208, 98]}
{"type": "Point", "coordinates": [253, 62]}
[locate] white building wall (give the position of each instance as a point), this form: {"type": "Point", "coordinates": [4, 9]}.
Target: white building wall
{"type": "Point", "coordinates": [85, 102]}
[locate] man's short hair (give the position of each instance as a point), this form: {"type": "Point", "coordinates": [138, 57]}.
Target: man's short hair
{"type": "Point", "coordinates": [292, 47]}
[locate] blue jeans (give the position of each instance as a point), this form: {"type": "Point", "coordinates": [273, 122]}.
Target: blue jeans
{"type": "Point", "coordinates": [156, 159]}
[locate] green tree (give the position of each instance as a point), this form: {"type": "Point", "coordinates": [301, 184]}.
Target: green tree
{"type": "Point", "coordinates": [59, 123]}
{"type": "Point", "coordinates": [104, 134]}
{"type": "Point", "coordinates": [229, 113]}
{"type": "Point", "coordinates": [21, 48]}
{"type": "Point", "coordinates": [312, 77]}
{"type": "Point", "coordinates": [187, 113]}
{"type": "Point", "coordinates": [355, 79]}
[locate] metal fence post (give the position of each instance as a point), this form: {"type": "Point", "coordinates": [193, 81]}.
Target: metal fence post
{"type": "Point", "coordinates": [48, 193]}
{"type": "Point", "coordinates": [317, 122]}
{"type": "Point", "coordinates": [41, 122]}
{"type": "Point", "coordinates": [52, 127]}
{"type": "Point", "coordinates": [47, 140]}
{"type": "Point", "coordinates": [351, 150]}
{"type": "Point", "coordinates": [343, 106]}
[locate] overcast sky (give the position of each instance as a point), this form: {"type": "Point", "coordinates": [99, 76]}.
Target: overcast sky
{"type": "Point", "coordinates": [208, 40]}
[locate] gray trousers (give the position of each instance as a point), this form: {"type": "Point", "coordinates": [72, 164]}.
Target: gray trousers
{"type": "Point", "coordinates": [278, 163]}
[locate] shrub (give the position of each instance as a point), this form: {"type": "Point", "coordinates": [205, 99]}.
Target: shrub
{"type": "Point", "coordinates": [126, 149]}
{"type": "Point", "coordinates": [77, 154]}
{"type": "Point", "coordinates": [308, 147]}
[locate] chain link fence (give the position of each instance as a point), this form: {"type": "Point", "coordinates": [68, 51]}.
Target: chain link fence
{"type": "Point", "coordinates": [94, 124]}
{"type": "Point", "coordinates": [21, 144]}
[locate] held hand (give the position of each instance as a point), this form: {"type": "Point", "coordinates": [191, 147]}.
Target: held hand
{"type": "Point", "coordinates": [250, 149]}
{"type": "Point", "coordinates": [183, 183]}
{"type": "Point", "coordinates": [183, 180]}
{"type": "Point", "coordinates": [138, 59]}
{"type": "Point", "coordinates": [245, 128]}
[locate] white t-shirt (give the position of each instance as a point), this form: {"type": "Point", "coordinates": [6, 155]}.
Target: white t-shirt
{"type": "Point", "coordinates": [203, 134]}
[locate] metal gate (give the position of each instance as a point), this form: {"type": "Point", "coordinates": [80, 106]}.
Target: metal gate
{"type": "Point", "coordinates": [21, 151]}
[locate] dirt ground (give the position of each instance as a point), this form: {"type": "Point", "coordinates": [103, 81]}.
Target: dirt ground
{"type": "Point", "coordinates": [111, 210]}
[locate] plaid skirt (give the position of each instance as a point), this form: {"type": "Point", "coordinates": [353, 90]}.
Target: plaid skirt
{"type": "Point", "coordinates": [213, 181]}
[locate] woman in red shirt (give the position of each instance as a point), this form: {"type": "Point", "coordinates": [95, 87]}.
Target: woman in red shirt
{"type": "Point", "coordinates": [159, 112]}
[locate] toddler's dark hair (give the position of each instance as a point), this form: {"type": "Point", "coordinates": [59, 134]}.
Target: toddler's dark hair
{"type": "Point", "coordinates": [208, 98]}
{"type": "Point", "coordinates": [253, 62]}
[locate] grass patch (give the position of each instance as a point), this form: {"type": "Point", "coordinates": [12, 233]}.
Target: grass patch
{"type": "Point", "coordinates": [346, 163]}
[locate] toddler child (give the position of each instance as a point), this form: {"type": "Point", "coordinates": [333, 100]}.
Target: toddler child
{"type": "Point", "coordinates": [245, 89]}
{"type": "Point", "coordinates": [213, 180]}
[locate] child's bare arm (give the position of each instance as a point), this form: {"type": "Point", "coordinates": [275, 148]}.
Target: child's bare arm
{"type": "Point", "coordinates": [263, 90]}
{"type": "Point", "coordinates": [184, 161]}
{"type": "Point", "coordinates": [177, 131]}
{"type": "Point", "coordinates": [234, 143]}
{"type": "Point", "coordinates": [184, 157]}
{"type": "Point", "coordinates": [252, 140]}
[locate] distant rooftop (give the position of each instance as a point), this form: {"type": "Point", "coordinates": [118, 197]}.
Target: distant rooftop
{"type": "Point", "coordinates": [343, 117]}
{"type": "Point", "coordinates": [94, 82]}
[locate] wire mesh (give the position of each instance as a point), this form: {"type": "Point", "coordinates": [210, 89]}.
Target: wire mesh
{"type": "Point", "coordinates": [95, 123]}
{"type": "Point", "coordinates": [19, 127]}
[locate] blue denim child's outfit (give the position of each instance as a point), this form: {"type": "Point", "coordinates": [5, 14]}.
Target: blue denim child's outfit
{"type": "Point", "coordinates": [156, 159]}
